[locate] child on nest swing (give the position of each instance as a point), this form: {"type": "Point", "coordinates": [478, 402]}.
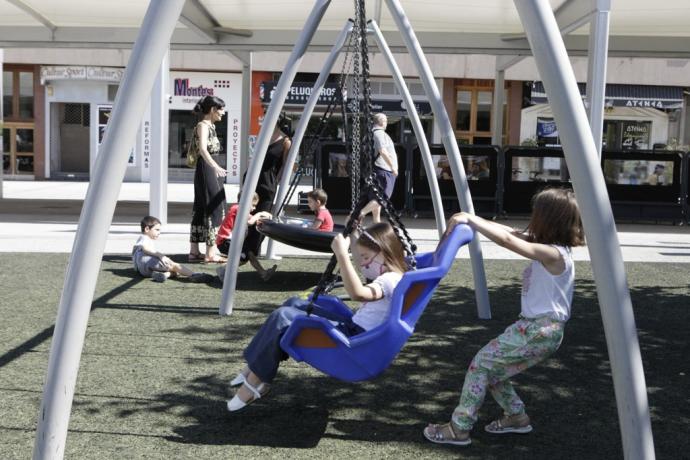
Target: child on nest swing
{"type": "Point", "coordinates": [379, 255]}
{"type": "Point", "coordinates": [316, 200]}
{"type": "Point", "coordinates": [547, 292]}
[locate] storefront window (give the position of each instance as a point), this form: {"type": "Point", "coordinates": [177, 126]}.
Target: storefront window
{"type": "Point", "coordinates": [25, 164]}
{"type": "Point", "coordinates": [6, 156]}
{"type": "Point", "coordinates": [484, 102]}
{"type": "Point", "coordinates": [6, 140]}
{"type": "Point", "coordinates": [25, 140]}
{"type": "Point", "coordinates": [474, 111]}
{"type": "Point", "coordinates": [627, 135]}
{"type": "Point", "coordinates": [26, 95]}
{"type": "Point", "coordinates": [464, 107]}
{"type": "Point", "coordinates": [7, 94]}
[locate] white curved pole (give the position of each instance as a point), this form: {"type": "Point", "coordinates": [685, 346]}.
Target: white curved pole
{"type": "Point", "coordinates": [304, 121]}
{"type": "Point", "coordinates": [450, 143]}
{"type": "Point", "coordinates": [97, 214]}
{"type": "Point", "coordinates": [262, 143]}
{"type": "Point", "coordinates": [582, 157]}
{"type": "Point", "coordinates": [416, 126]}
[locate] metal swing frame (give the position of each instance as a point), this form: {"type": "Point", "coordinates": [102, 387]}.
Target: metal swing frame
{"type": "Point", "coordinates": [580, 149]}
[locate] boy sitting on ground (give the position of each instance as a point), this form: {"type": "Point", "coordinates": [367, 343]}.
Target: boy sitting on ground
{"type": "Point", "coordinates": [316, 200]}
{"type": "Point", "coordinates": [151, 263]}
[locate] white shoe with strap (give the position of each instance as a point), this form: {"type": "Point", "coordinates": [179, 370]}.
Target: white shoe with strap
{"type": "Point", "coordinates": [236, 402]}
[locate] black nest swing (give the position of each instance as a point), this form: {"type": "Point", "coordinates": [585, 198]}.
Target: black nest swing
{"type": "Point", "coordinates": [294, 234]}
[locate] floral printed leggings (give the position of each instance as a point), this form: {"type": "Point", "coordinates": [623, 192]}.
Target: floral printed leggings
{"type": "Point", "coordinates": [523, 344]}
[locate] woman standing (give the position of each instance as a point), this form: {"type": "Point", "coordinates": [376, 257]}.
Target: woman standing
{"type": "Point", "coordinates": [209, 194]}
{"type": "Point", "coordinates": [267, 185]}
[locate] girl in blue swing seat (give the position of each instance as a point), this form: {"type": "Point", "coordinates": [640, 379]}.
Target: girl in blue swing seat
{"type": "Point", "coordinates": [380, 257]}
{"type": "Point", "coordinates": [547, 292]}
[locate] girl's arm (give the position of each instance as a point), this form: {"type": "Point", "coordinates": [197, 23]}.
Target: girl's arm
{"type": "Point", "coordinates": [353, 284]}
{"type": "Point", "coordinates": [203, 149]}
{"type": "Point", "coordinates": [549, 256]}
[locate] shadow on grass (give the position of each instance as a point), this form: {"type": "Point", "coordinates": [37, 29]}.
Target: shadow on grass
{"type": "Point", "coordinates": [569, 397]}
{"type": "Point", "coordinates": [571, 389]}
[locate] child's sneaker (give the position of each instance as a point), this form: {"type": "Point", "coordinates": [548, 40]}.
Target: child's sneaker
{"type": "Point", "coordinates": [158, 277]}
{"type": "Point", "coordinates": [517, 423]}
{"type": "Point", "coordinates": [201, 278]}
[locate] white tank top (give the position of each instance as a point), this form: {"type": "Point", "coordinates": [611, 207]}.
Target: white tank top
{"type": "Point", "coordinates": [547, 294]}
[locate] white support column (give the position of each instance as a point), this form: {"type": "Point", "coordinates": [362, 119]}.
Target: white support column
{"type": "Point", "coordinates": [262, 143]}
{"type": "Point", "coordinates": [602, 240]}
{"type": "Point", "coordinates": [450, 143]}
{"type": "Point", "coordinates": [246, 113]}
{"type": "Point", "coordinates": [497, 115]}
{"type": "Point", "coordinates": [416, 126]}
{"type": "Point", "coordinates": [596, 69]}
{"type": "Point", "coordinates": [160, 126]}
{"type": "Point", "coordinates": [94, 222]}
{"type": "Point", "coordinates": [502, 63]}
{"type": "Point", "coordinates": [303, 123]}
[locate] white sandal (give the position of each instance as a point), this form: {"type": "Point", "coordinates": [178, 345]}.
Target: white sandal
{"type": "Point", "coordinates": [240, 378]}
{"type": "Point", "coordinates": [236, 402]}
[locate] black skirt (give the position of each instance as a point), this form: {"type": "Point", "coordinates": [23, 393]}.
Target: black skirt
{"type": "Point", "coordinates": [209, 204]}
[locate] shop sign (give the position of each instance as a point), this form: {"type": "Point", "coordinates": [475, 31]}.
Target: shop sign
{"type": "Point", "coordinates": [113, 74]}
{"type": "Point", "coordinates": [636, 135]}
{"type": "Point", "coordinates": [76, 72]}
{"type": "Point", "coordinates": [546, 128]}
{"type": "Point", "coordinates": [299, 92]}
{"type": "Point", "coordinates": [656, 104]}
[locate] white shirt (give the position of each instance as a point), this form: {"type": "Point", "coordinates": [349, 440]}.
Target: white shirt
{"type": "Point", "coordinates": [142, 241]}
{"type": "Point", "coordinates": [383, 140]}
{"type": "Point", "coordinates": [547, 294]}
{"type": "Point", "coordinates": [372, 314]}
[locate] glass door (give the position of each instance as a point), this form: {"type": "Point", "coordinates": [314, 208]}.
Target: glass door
{"type": "Point", "coordinates": [70, 136]}
{"type": "Point", "coordinates": [18, 127]}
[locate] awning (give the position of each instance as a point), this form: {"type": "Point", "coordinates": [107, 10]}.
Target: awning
{"type": "Point", "coordinates": [658, 97]}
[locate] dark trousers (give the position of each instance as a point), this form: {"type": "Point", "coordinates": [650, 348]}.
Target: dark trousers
{"type": "Point", "coordinates": [263, 354]}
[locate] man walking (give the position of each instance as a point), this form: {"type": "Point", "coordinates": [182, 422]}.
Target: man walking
{"type": "Point", "coordinates": [385, 166]}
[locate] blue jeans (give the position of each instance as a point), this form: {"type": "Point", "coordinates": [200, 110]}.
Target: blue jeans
{"type": "Point", "coordinates": [263, 354]}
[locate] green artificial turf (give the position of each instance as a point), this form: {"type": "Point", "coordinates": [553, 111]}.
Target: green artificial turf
{"type": "Point", "coordinates": [157, 359]}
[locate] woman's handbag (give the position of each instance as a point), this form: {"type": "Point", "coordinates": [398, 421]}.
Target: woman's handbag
{"type": "Point", "coordinates": [192, 153]}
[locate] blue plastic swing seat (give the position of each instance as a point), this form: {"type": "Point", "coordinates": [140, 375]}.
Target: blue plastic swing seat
{"type": "Point", "coordinates": [317, 342]}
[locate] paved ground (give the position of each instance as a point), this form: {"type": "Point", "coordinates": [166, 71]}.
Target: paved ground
{"type": "Point", "coordinates": [42, 216]}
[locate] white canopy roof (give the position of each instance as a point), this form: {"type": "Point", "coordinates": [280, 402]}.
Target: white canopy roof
{"type": "Point", "coordinates": [638, 27]}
